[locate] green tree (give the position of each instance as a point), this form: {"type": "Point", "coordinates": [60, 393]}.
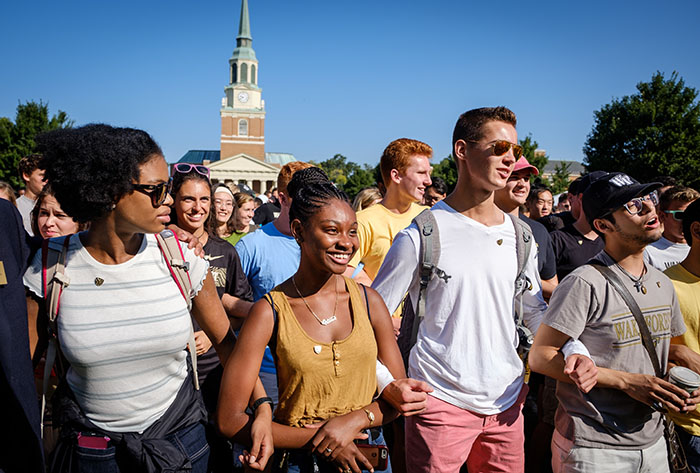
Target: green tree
{"type": "Point", "coordinates": [17, 139]}
{"type": "Point", "coordinates": [347, 175]}
{"type": "Point", "coordinates": [447, 171]}
{"type": "Point", "coordinates": [360, 178]}
{"type": "Point", "coordinates": [560, 178]}
{"type": "Point", "coordinates": [655, 131]}
{"type": "Point", "coordinates": [529, 146]}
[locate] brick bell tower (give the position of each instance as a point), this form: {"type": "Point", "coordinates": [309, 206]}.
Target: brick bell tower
{"type": "Point", "coordinates": [242, 108]}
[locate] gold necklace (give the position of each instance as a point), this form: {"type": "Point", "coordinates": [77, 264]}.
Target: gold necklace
{"type": "Point", "coordinates": [321, 321]}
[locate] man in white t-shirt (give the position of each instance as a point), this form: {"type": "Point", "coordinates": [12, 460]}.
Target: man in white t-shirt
{"type": "Point", "coordinates": [33, 178]}
{"type": "Point", "coordinates": [672, 248]}
{"type": "Point", "coordinates": [467, 344]}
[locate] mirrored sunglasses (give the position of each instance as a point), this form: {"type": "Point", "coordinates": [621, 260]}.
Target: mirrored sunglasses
{"type": "Point", "coordinates": [501, 147]}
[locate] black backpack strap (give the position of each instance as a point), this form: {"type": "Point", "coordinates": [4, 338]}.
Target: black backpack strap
{"type": "Point", "coordinates": [273, 339]}
{"type": "Point", "coordinates": [364, 289]}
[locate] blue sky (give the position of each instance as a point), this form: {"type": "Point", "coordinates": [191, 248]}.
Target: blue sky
{"type": "Point", "coordinates": [343, 77]}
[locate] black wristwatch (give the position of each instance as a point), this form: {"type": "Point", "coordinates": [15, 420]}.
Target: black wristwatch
{"type": "Point", "coordinates": [261, 401]}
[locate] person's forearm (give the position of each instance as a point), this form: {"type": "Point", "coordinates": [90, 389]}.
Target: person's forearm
{"type": "Point", "coordinates": [236, 307]}
{"type": "Point", "coordinates": [548, 286]}
{"type": "Point", "coordinates": [548, 361]}
{"type": "Point", "coordinates": [224, 348]}
{"type": "Point", "coordinates": [684, 356]}
{"type": "Point", "coordinates": [238, 425]}
{"type": "Point", "coordinates": [258, 392]}
{"type": "Point", "coordinates": [292, 437]}
{"type": "Point", "coordinates": [613, 379]}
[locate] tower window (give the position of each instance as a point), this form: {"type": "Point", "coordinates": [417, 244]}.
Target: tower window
{"type": "Point", "coordinates": [234, 73]}
{"type": "Point", "coordinates": [244, 72]}
{"type": "Point", "coordinates": [242, 127]}
{"type": "Point", "coordinates": [252, 74]}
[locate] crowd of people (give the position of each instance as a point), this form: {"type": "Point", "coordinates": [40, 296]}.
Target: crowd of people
{"type": "Point", "coordinates": [494, 327]}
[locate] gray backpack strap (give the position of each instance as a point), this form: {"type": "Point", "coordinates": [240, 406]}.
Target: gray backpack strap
{"type": "Point", "coordinates": [523, 246]}
{"type": "Point", "coordinates": [54, 280]}
{"type": "Point", "coordinates": [172, 252]}
{"type": "Point", "coordinates": [428, 257]}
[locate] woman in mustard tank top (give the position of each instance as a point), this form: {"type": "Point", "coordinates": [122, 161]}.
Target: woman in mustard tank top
{"type": "Point", "coordinates": [326, 333]}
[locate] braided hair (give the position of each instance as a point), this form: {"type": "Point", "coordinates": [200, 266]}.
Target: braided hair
{"type": "Point", "coordinates": [310, 189]}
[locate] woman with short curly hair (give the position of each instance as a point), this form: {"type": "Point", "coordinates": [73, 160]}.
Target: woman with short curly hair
{"type": "Point", "coordinates": [128, 401]}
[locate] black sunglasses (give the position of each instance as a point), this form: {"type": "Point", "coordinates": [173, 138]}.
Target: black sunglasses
{"type": "Point", "coordinates": [157, 192]}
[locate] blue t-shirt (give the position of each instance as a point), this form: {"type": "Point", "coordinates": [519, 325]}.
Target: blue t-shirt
{"type": "Point", "coordinates": [268, 258]}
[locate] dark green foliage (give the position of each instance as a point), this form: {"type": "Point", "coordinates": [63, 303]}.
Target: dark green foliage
{"type": "Point", "coordinates": [447, 170]}
{"type": "Point", "coordinates": [347, 175]}
{"type": "Point", "coordinates": [655, 131]}
{"type": "Point", "coordinates": [529, 146]}
{"type": "Point", "coordinates": [17, 139]}
{"type": "Point", "coordinates": [560, 179]}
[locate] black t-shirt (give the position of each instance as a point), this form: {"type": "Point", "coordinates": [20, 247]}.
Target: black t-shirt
{"type": "Point", "coordinates": [229, 278]}
{"type": "Point", "coordinates": [546, 265]}
{"type": "Point", "coordinates": [557, 221]}
{"type": "Point", "coordinates": [572, 249]}
{"type": "Point", "coordinates": [266, 213]}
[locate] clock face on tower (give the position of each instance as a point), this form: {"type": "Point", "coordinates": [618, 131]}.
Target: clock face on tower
{"type": "Point", "coordinates": [243, 97]}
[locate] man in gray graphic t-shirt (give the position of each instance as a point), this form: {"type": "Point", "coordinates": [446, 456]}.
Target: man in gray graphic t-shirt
{"type": "Point", "coordinates": [616, 426]}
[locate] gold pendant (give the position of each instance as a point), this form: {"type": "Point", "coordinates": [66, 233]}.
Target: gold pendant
{"type": "Point", "coordinates": [644, 289]}
{"type": "Point", "coordinates": [99, 281]}
{"type": "Point", "coordinates": [499, 241]}
{"type": "Point", "coordinates": [580, 242]}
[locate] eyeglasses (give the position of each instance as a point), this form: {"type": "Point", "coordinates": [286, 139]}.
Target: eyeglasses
{"type": "Point", "coordinates": [157, 192]}
{"type": "Point", "coordinates": [501, 147]}
{"type": "Point", "coordinates": [676, 214]}
{"type": "Point", "coordinates": [636, 205]}
{"type": "Point", "coordinates": [186, 168]}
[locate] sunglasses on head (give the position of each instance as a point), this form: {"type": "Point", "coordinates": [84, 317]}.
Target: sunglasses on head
{"type": "Point", "coordinates": [676, 214]}
{"type": "Point", "coordinates": [636, 205]}
{"type": "Point", "coordinates": [186, 168]}
{"type": "Point", "coordinates": [157, 192]}
{"type": "Point", "coordinates": [501, 147]}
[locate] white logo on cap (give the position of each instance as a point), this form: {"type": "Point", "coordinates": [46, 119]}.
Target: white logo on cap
{"type": "Point", "coordinates": [621, 180]}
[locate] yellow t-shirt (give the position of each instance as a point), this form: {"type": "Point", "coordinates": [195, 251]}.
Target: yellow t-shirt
{"type": "Point", "coordinates": [687, 287]}
{"type": "Point", "coordinates": [377, 227]}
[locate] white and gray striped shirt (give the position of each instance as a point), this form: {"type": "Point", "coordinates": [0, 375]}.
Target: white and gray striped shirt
{"type": "Point", "coordinates": [124, 329]}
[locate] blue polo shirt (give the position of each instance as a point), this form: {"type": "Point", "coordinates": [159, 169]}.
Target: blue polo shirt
{"type": "Point", "coordinates": [268, 257]}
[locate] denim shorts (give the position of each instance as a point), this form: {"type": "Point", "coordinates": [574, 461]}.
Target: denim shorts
{"type": "Point", "coordinates": [302, 461]}
{"type": "Point", "coordinates": [190, 440]}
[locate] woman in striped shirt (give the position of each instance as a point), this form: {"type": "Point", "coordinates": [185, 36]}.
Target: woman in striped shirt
{"type": "Point", "coordinates": [128, 401]}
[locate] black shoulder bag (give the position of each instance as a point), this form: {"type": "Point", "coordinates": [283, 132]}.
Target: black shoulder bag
{"type": "Point", "coordinates": [676, 457]}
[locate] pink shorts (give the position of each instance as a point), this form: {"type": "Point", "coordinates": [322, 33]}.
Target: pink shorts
{"type": "Point", "coordinates": [444, 436]}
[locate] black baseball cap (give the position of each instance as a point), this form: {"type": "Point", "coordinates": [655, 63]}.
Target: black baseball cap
{"type": "Point", "coordinates": [610, 192]}
{"type": "Point", "coordinates": [580, 185]}
{"type": "Point", "coordinates": [690, 214]}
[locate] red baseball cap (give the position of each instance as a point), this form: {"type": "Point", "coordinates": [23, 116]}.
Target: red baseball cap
{"type": "Point", "coordinates": [522, 163]}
